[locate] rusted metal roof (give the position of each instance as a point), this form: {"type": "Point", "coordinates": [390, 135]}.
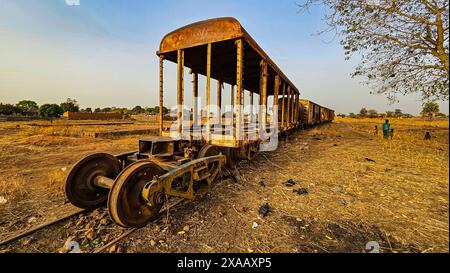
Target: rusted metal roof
{"type": "Point", "coordinates": [307, 102]}
{"type": "Point", "coordinates": [214, 31]}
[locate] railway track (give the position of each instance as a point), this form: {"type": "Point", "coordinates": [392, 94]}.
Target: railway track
{"type": "Point", "coordinates": [28, 232]}
{"type": "Point", "coordinates": [101, 249]}
{"type": "Point", "coordinates": [132, 230]}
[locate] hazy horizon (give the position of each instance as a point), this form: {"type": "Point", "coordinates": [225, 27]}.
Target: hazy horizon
{"type": "Point", "coordinates": [102, 53]}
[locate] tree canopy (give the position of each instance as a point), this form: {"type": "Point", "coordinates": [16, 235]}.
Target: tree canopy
{"type": "Point", "coordinates": [27, 106]}
{"type": "Point", "coordinates": [403, 44]}
{"type": "Point", "coordinates": [430, 108]}
{"type": "Point", "coordinates": [363, 112]}
{"type": "Point", "coordinates": [50, 111]}
{"type": "Point", "coordinates": [71, 105]}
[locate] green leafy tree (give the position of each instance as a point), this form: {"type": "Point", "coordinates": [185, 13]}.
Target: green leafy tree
{"type": "Point", "coordinates": [372, 113]}
{"type": "Point", "coordinates": [352, 115]}
{"type": "Point", "coordinates": [389, 114]}
{"type": "Point", "coordinates": [137, 110]}
{"type": "Point", "coordinates": [28, 107]}
{"type": "Point", "coordinates": [50, 111]}
{"type": "Point", "coordinates": [69, 107]}
{"type": "Point", "coordinates": [88, 110]}
{"type": "Point", "coordinates": [155, 110]}
{"type": "Point", "coordinates": [9, 109]}
{"type": "Point", "coordinates": [398, 113]}
{"type": "Point", "coordinates": [363, 112]}
{"type": "Point", "coordinates": [106, 110]}
{"type": "Point", "coordinates": [97, 110]}
{"type": "Point", "coordinates": [430, 108]}
{"type": "Point", "coordinates": [403, 45]}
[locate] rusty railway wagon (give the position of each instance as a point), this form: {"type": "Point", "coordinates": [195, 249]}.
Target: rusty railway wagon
{"type": "Point", "coordinates": [314, 114]}
{"type": "Point", "coordinates": [184, 161]}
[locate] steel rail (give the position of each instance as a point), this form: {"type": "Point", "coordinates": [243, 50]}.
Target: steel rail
{"type": "Point", "coordinates": [39, 227]}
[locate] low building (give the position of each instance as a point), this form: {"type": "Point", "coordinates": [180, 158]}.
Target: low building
{"type": "Point", "coordinates": [92, 116]}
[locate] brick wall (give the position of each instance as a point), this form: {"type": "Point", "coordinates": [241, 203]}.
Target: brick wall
{"type": "Point", "coordinates": [91, 116]}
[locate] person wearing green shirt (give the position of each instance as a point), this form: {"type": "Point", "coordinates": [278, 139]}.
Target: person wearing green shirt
{"type": "Point", "coordinates": [386, 129]}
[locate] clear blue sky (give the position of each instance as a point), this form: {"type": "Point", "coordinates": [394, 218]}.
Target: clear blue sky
{"type": "Point", "coordinates": [102, 52]}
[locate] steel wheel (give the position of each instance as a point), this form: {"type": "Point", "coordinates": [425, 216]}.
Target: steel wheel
{"type": "Point", "coordinates": [208, 150]}
{"type": "Point", "coordinates": [125, 203]}
{"type": "Point", "coordinates": [80, 188]}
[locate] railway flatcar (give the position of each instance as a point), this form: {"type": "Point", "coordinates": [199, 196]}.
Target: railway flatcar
{"type": "Point", "coordinates": [185, 160]}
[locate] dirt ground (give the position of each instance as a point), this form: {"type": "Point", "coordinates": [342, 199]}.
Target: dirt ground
{"type": "Point", "coordinates": [348, 187]}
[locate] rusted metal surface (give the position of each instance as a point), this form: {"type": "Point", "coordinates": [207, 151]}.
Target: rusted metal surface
{"type": "Point", "coordinates": [313, 113]}
{"type": "Point", "coordinates": [180, 162]}
{"type": "Point", "coordinates": [125, 206]}
{"type": "Point", "coordinates": [180, 90]}
{"type": "Point", "coordinates": [283, 107]}
{"type": "Point", "coordinates": [208, 93]}
{"type": "Point", "coordinates": [239, 88]}
{"type": "Point", "coordinates": [276, 89]}
{"type": "Point", "coordinates": [194, 99]}
{"type": "Point", "coordinates": [184, 181]}
{"type": "Point", "coordinates": [264, 96]}
{"type": "Point", "coordinates": [161, 94]}
{"type": "Point", "coordinates": [80, 186]}
{"type": "Point", "coordinates": [216, 31]}
{"type": "Point", "coordinates": [219, 102]}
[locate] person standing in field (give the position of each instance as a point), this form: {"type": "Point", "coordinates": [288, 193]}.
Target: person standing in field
{"type": "Point", "coordinates": [386, 129]}
{"type": "Point", "coordinates": [375, 131]}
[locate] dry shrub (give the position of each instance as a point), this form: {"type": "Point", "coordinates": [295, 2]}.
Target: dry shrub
{"type": "Point", "coordinates": [12, 188]}
{"type": "Point", "coordinates": [56, 179]}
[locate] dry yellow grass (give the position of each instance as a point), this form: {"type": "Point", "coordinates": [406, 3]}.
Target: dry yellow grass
{"type": "Point", "coordinates": [438, 122]}
{"type": "Point", "coordinates": [400, 199]}
{"type": "Point", "coordinates": [361, 188]}
{"type": "Point", "coordinates": [56, 180]}
{"type": "Point", "coordinates": [12, 189]}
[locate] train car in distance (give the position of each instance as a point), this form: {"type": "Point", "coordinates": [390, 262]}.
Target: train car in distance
{"type": "Point", "coordinates": [314, 114]}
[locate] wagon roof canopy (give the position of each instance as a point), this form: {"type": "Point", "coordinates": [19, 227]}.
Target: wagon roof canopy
{"type": "Point", "coordinates": [221, 33]}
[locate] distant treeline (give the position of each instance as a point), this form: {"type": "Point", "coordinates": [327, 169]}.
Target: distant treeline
{"type": "Point", "coordinates": [30, 108]}
{"type": "Point", "coordinates": [430, 109]}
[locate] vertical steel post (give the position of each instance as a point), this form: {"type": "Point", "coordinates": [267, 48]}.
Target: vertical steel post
{"type": "Point", "coordinates": [283, 110]}
{"type": "Point", "coordinates": [239, 87]}
{"type": "Point", "coordinates": [208, 93]}
{"type": "Point", "coordinates": [232, 106]}
{"type": "Point", "coordinates": [297, 110]}
{"type": "Point", "coordinates": [161, 94]}
{"type": "Point", "coordinates": [194, 99]}
{"type": "Point", "coordinates": [264, 98]}
{"type": "Point", "coordinates": [292, 107]}
{"type": "Point", "coordinates": [288, 123]}
{"type": "Point", "coordinates": [180, 90]}
{"type": "Point", "coordinates": [219, 101]}
{"type": "Point", "coordinates": [276, 89]}
{"type": "Point", "coordinates": [251, 107]}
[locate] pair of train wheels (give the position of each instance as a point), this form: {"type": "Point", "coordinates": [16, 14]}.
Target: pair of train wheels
{"type": "Point", "coordinates": [125, 204]}
{"type": "Point", "coordinates": [123, 195]}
